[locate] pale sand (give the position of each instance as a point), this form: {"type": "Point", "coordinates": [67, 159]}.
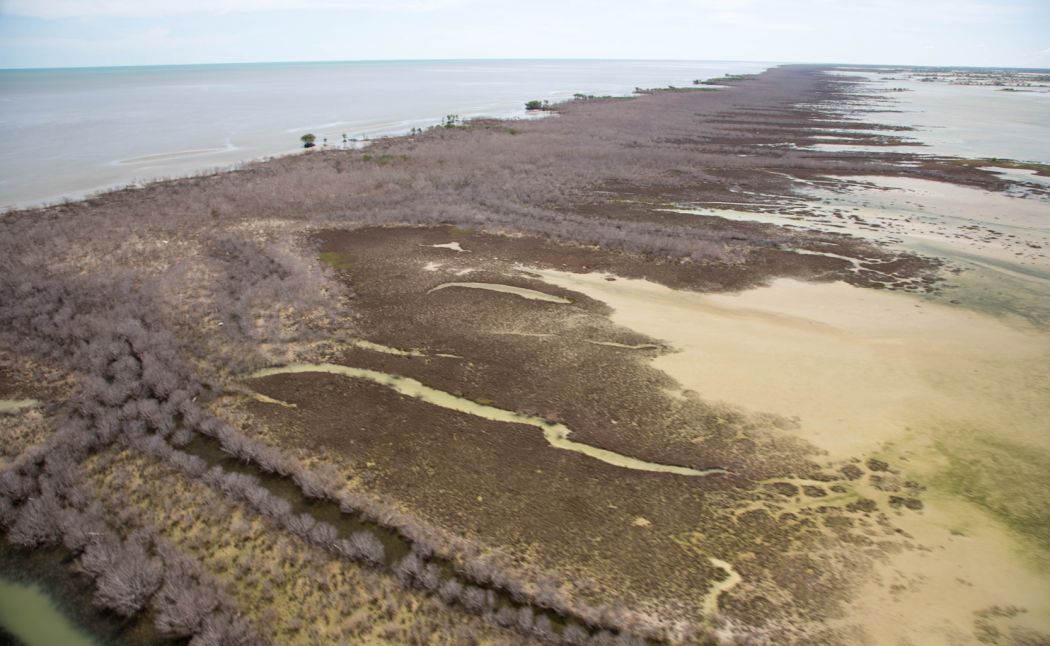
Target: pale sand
{"type": "Point", "coordinates": [952, 577]}
{"type": "Point", "coordinates": [871, 372]}
{"type": "Point", "coordinates": [857, 367]}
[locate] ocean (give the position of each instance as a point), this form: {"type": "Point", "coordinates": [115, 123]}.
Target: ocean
{"type": "Point", "coordinates": [67, 133]}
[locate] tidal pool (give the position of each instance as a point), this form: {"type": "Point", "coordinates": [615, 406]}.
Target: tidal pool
{"type": "Point", "coordinates": [28, 613]}
{"type": "Point", "coordinates": [454, 246]}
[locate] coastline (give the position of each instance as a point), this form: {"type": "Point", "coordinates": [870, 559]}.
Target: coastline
{"type": "Point", "coordinates": [247, 133]}
{"type": "Point", "coordinates": [609, 211]}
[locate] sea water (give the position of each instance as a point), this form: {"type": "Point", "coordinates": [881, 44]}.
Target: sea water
{"type": "Point", "coordinates": [69, 132]}
{"type": "Point", "coordinates": [972, 121]}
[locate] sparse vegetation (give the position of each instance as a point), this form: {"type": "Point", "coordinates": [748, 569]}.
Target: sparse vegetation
{"type": "Point", "coordinates": [728, 79]}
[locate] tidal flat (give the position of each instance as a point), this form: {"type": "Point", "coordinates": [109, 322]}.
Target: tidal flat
{"type": "Point", "coordinates": [665, 369]}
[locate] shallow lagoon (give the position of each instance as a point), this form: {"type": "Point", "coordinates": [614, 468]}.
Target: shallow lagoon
{"type": "Point", "coordinates": [29, 614]}
{"type": "Point", "coordinates": [962, 120]}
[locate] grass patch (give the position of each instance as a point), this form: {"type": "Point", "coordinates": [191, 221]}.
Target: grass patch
{"type": "Point", "coordinates": [384, 160]}
{"type": "Point", "coordinates": [336, 260]}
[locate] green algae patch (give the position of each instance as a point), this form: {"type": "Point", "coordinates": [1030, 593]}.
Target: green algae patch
{"type": "Point", "coordinates": [1009, 480]}
{"type": "Point", "coordinates": [336, 260]}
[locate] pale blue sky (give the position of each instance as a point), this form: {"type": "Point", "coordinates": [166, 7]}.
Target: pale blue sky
{"type": "Point", "coordinates": [60, 33]}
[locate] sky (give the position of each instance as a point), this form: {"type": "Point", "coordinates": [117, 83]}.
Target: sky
{"type": "Point", "coordinates": [74, 33]}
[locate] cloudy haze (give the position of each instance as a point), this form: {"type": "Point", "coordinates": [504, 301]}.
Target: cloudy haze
{"type": "Point", "coordinates": [60, 33]}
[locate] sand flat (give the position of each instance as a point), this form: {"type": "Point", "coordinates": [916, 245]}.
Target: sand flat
{"type": "Point", "coordinates": [857, 367]}
{"type": "Point", "coordinates": [869, 372]}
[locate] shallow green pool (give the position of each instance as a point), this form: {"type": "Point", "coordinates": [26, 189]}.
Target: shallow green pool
{"type": "Point", "coordinates": [28, 613]}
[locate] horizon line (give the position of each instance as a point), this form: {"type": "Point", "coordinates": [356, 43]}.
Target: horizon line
{"type": "Point", "coordinates": [517, 59]}
{"type": "Point", "coordinates": [404, 60]}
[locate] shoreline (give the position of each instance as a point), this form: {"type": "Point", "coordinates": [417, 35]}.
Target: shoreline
{"type": "Point", "coordinates": [263, 144]}
{"type": "Point", "coordinates": [161, 299]}
{"type": "Point", "coordinates": [819, 144]}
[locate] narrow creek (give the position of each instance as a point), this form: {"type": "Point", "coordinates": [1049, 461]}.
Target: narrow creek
{"type": "Point", "coordinates": [43, 601]}
{"type": "Point", "coordinates": [15, 405]}
{"type": "Point", "coordinates": [523, 292]}
{"type": "Point", "coordinates": [625, 346]}
{"type": "Point", "coordinates": [557, 435]}
{"type": "Point", "coordinates": [733, 577]}
{"type": "Point", "coordinates": [435, 574]}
